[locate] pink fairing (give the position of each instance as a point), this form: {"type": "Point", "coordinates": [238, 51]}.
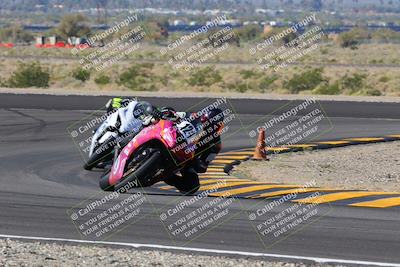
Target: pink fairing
{"type": "Point", "coordinates": [163, 131]}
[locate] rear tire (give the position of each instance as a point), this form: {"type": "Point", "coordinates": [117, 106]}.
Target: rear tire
{"type": "Point", "coordinates": [187, 184]}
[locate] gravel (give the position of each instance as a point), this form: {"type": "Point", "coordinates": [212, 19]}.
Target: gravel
{"type": "Point", "coordinates": [35, 254]}
{"type": "Point", "coordinates": [374, 167]}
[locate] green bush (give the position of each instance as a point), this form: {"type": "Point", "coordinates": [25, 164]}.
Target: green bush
{"type": "Point", "coordinates": [239, 87]}
{"type": "Point", "coordinates": [81, 74]}
{"type": "Point", "coordinates": [138, 77]}
{"type": "Point", "coordinates": [326, 88]}
{"type": "Point", "coordinates": [102, 80]}
{"type": "Point", "coordinates": [324, 51]}
{"type": "Point", "coordinates": [353, 37]}
{"type": "Point", "coordinates": [249, 32]}
{"type": "Point", "coordinates": [266, 82]}
{"type": "Point", "coordinates": [29, 75]}
{"type": "Point", "coordinates": [204, 77]}
{"type": "Point", "coordinates": [384, 79]}
{"type": "Point", "coordinates": [15, 34]}
{"type": "Point", "coordinates": [385, 35]}
{"type": "Point", "coordinates": [353, 83]}
{"type": "Point", "coordinates": [3, 83]}
{"type": "Point", "coordinates": [307, 80]}
{"type": "Point", "coordinates": [370, 92]}
{"type": "Point", "coordinates": [246, 74]}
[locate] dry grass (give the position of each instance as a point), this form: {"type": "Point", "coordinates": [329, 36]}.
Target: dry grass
{"type": "Point", "coordinates": [386, 79]}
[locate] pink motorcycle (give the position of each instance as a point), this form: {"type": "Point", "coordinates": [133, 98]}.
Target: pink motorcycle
{"type": "Point", "coordinates": [154, 154]}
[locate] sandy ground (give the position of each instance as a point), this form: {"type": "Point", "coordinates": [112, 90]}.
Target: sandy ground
{"type": "Point", "coordinates": [370, 167]}
{"type": "Point", "coordinates": [35, 254]}
{"type": "Point", "coordinates": [174, 94]}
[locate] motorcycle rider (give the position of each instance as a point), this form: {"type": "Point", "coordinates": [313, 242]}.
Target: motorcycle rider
{"type": "Point", "coordinates": [132, 115]}
{"type": "Point", "coordinates": [207, 148]}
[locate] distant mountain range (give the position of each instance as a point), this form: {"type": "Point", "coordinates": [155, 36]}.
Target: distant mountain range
{"type": "Point", "coordinates": [71, 5]}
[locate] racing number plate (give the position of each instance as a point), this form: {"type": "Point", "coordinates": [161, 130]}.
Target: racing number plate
{"type": "Point", "coordinates": [187, 130]}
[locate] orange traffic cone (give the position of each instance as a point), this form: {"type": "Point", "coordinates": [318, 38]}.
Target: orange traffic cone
{"type": "Point", "coordinates": [259, 152]}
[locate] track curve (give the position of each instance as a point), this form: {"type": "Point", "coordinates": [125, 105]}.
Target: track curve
{"type": "Point", "coordinates": [42, 177]}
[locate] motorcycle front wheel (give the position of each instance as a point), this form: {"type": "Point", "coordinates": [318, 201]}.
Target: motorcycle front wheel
{"type": "Point", "coordinates": [140, 177]}
{"type": "Point", "coordinates": [101, 153]}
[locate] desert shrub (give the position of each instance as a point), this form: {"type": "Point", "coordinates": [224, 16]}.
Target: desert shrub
{"type": "Point", "coordinates": [29, 75]}
{"type": "Point", "coordinates": [138, 77]}
{"type": "Point", "coordinates": [102, 79]}
{"type": "Point", "coordinates": [324, 51]}
{"type": "Point", "coordinates": [249, 32]}
{"type": "Point", "coordinates": [307, 80]}
{"type": "Point", "coordinates": [370, 92]}
{"type": "Point", "coordinates": [326, 88]}
{"type": "Point", "coordinates": [246, 74]}
{"type": "Point", "coordinates": [384, 79]}
{"type": "Point", "coordinates": [239, 87]}
{"type": "Point", "coordinates": [385, 35]}
{"type": "Point", "coordinates": [353, 37]}
{"type": "Point", "coordinates": [3, 83]}
{"type": "Point", "coordinates": [278, 30]}
{"type": "Point", "coordinates": [73, 25]}
{"type": "Point", "coordinates": [353, 83]}
{"type": "Point", "coordinates": [266, 82]}
{"type": "Point", "coordinates": [81, 74]}
{"type": "Point", "coordinates": [204, 77]}
{"type": "Point", "coordinates": [15, 34]}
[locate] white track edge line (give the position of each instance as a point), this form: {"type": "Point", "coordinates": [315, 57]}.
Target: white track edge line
{"type": "Point", "coordinates": [216, 251]}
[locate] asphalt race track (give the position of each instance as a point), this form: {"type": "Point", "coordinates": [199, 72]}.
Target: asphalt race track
{"type": "Point", "coordinates": [42, 178]}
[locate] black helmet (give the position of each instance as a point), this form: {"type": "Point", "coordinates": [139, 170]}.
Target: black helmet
{"type": "Point", "coordinates": [142, 109]}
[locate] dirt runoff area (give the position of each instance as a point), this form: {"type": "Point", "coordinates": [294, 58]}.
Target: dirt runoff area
{"type": "Point", "coordinates": [374, 167]}
{"type": "Point", "coordinates": [35, 254]}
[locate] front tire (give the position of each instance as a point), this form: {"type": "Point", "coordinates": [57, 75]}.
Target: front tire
{"type": "Point", "coordinates": [103, 152]}
{"type": "Point", "coordinates": [143, 174]}
{"type": "Point", "coordinates": [103, 182]}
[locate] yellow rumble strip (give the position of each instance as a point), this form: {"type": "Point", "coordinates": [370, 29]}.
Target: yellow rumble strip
{"type": "Point", "coordinates": [365, 139]}
{"type": "Point", "coordinates": [232, 157]}
{"type": "Point", "coordinates": [206, 175]}
{"type": "Point", "coordinates": [237, 153]}
{"type": "Point", "coordinates": [379, 203]}
{"type": "Point", "coordinates": [205, 182]}
{"type": "Point", "coordinates": [394, 135]}
{"type": "Point", "coordinates": [216, 178]}
{"type": "Point", "coordinates": [302, 146]}
{"type": "Point", "coordinates": [222, 161]}
{"type": "Point", "coordinates": [291, 191]}
{"type": "Point", "coordinates": [249, 189]}
{"type": "Point", "coordinates": [334, 143]}
{"type": "Point", "coordinates": [228, 184]}
{"type": "Point", "coordinates": [340, 196]}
